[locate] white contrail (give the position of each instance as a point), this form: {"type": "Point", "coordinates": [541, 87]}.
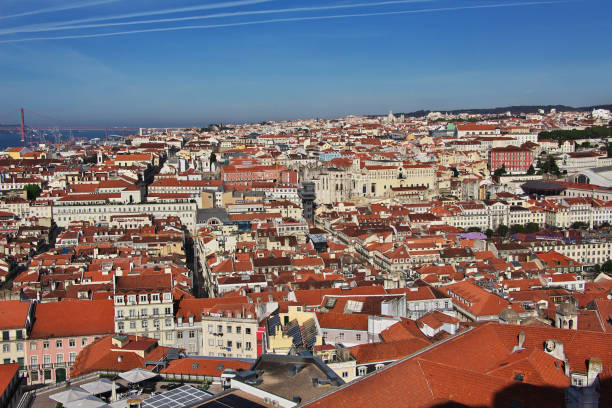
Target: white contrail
{"type": "Point", "coordinates": [60, 8]}
{"type": "Point", "coordinates": [284, 20]}
{"type": "Point", "coordinates": [55, 27]}
{"type": "Point", "coordinates": [212, 6]}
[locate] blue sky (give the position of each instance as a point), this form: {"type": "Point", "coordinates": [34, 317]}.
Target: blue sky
{"type": "Point", "coordinates": [64, 59]}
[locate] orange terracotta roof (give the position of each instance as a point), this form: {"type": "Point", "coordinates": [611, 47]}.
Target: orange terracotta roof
{"type": "Point", "coordinates": [73, 318]}
{"type": "Point", "coordinates": [13, 314]}
{"type": "Point", "coordinates": [209, 367]}
{"type": "Point", "coordinates": [7, 373]}
{"type": "Point", "coordinates": [394, 350]}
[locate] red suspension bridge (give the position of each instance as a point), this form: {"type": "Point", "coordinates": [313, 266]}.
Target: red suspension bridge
{"type": "Point", "coordinates": [32, 134]}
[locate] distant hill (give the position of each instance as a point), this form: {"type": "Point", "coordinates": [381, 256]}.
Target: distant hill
{"type": "Point", "coordinates": [513, 109]}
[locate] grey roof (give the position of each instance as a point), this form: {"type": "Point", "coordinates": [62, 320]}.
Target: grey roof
{"type": "Point", "coordinates": [204, 214]}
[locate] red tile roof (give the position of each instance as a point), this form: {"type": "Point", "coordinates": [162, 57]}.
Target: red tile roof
{"type": "Point", "coordinates": [7, 373]}
{"type": "Point", "coordinates": [478, 367]}
{"type": "Point", "coordinates": [13, 314]}
{"type": "Point", "coordinates": [209, 367]}
{"type": "Point", "coordinates": [394, 350]}
{"type": "Point", "coordinates": [73, 318]}
{"type": "Point", "coordinates": [343, 321]}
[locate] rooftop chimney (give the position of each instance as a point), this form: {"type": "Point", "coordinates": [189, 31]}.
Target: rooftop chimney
{"type": "Point", "coordinates": [594, 367]}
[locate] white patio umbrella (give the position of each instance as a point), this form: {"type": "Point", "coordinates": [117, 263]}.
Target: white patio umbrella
{"type": "Point", "coordinates": [72, 394]}
{"type": "Point", "coordinates": [88, 402]}
{"type": "Point", "coordinates": [99, 386]}
{"type": "Point", "coordinates": [137, 375]}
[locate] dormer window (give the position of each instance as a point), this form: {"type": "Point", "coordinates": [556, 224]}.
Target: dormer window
{"type": "Point", "coordinates": [155, 297]}
{"type": "Point", "coordinates": [167, 296]}
{"type": "Point", "coordinates": [119, 299]}
{"type": "Point", "coordinates": [143, 298]}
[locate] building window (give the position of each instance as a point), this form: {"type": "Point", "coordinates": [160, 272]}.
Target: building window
{"type": "Point", "coordinates": [19, 334]}
{"type": "Point", "coordinates": [229, 329]}
{"type": "Point", "coordinates": [248, 346]}
{"type": "Point", "coordinates": [341, 336]}
{"type": "Point", "coordinates": [58, 344]}
{"type": "Point", "coordinates": [120, 326]}
{"type": "Point", "coordinates": [34, 376]}
{"type": "Point", "coordinates": [247, 330]}
{"type": "Point", "coordinates": [59, 358]}
{"type": "Point", "coordinates": [211, 328]}
{"type": "Point", "coordinates": [238, 345]}
{"type": "Point", "coordinates": [168, 310]}
{"type": "Point", "coordinates": [358, 336]}
{"type": "Point", "coordinates": [72, 342]}
{"type": "Point", "coordinates": [72, 357]}
{"type": "Point", "coordinates": [47, 359]}
{"type": "Point", "coordinates": [238, 330]}
{"type": "Point", "coordinates": [168, 335]}
{"type": "Point", "coordinates": [33, 346]}
{"type": "Point", "coordinates": [179, 335]}
{"type": "Point", "coordinates": [45, 344]}
{"type": "Point", "coordinates": [344, 374]}
{"type": "Point", "coordinates": [191, 334]}
{"type": "Point", "coordinates": [83, 342]}
{"type": "Point", "coordinates": [155, 311]}
{"type": "Point", "coordinates": [362, 370]}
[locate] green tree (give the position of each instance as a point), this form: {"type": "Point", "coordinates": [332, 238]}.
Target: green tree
{"type": "Point", "coordinates": [93, 159]}
{"type": "Point", "coordinates": [473, 229]}
{"type": "Point", "coordinates": [549, 166]}
{"type": "Point", "coordinates": [579, 225]}
{"type": "Point", "coordinates": [531, 171]}
{"type": "Point", "coordinates": [33, 191]}
{"type": "Point", "coordinates": [595, 132]}
{"type": "Point", "coordinates": [531, 227]}
{"type": "Point", "coordinates": [597, 268]}
{"type": "Point", "coordinates": [516, 229]}
{"type": "Point", "coordinates": [607, 266]}
{"type": "Point", "coordinates": [500, 172]}
{"type": "Point", "coordinates": [213, 158]}
{"type": "Point", "coordinates": [489, 232]}
{"type": "Point", "coordinates": [502, 230]}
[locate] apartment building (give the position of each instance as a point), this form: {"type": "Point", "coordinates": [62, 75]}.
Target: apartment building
{"type": "Point", "coordinates": [59, 332]}
{"type": "Point", "coordinates": [513, 159]}
{"type": "Point", "coordinates": [63, 215]}
{"type": "Point", "coordinates": [144, 306]}
{"type": "Point", "coordinates": [232, 331]}
{"type": "Point", "coordinates": [15, 324]}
